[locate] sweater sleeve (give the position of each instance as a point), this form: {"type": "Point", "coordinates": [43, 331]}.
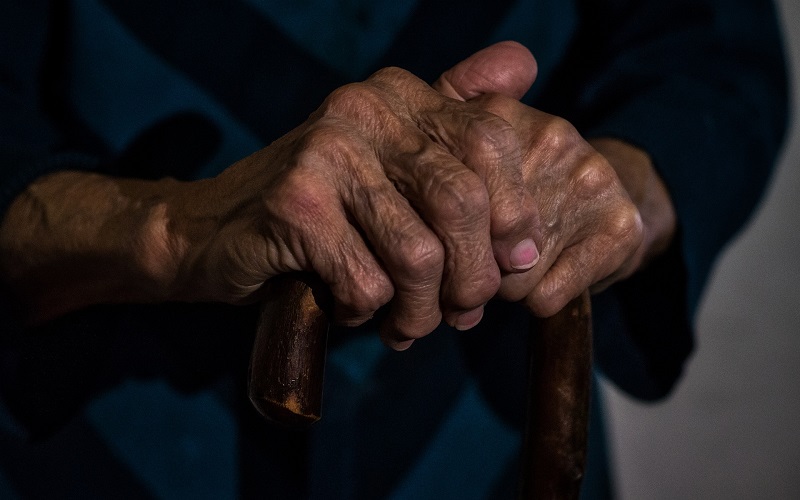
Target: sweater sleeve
{"type": "Point", "coordinates": [701, 86]}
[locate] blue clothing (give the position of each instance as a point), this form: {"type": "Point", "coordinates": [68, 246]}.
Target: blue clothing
{"type": "Point", "coordinates": [148, 400]}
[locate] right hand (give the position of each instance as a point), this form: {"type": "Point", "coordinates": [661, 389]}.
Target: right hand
{"type": "Point", "coordinates": [388, 192]}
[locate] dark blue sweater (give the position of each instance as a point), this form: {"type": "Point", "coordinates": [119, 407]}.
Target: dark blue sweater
{"type": "Point", "coordinates": [149, 400]}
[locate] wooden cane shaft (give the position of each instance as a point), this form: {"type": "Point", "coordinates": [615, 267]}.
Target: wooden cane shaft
{"type": "Point", "coordinates": [554, 447]}
{"type": "Point", "coordinates": [288, 360]}
{"type": "Point", "coordinates": [287, 367]}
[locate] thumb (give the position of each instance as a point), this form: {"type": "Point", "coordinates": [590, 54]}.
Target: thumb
{"type": "Point", "coordinates": [506, 68]}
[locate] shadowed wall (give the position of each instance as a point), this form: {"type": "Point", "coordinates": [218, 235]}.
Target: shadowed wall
{"type": "Point", "coordinates": [731, 429]}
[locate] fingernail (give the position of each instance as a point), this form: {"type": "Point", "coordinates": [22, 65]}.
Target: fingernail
{"type": "Point", "coordinates": [525, 255]}
{"type": "Point", "coordinates": [469, 319]}
{"type": "Point", "coordinates": [402, 345]}
{"type": "Point", "coordinates": [391, 340]}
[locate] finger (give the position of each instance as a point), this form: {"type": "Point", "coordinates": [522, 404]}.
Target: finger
{"type": "Point", "coordinates": [602, 253]}
{"type": "Point", "coordinates": [572, 273]}
{"type": "Point", "coordinates": [307, 227]}
{"type": "Point", "coordinates": [318, 237]}
{"type": "Point", "coordinates": [506, 68]}
{"type": "Point", "coordinates": [450, 198]}
{"type": "Point", "coordinates": [490, 147]}
{"type": "Point", "coordinates": [454, 202]}
{"type": "Point", "coordinates": [409, 250]}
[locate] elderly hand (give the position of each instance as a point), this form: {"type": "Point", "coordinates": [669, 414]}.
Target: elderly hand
{"type": "Point", "coordinates": [603, 210]}
{"type": "Point", "coordinates": [388, 192]}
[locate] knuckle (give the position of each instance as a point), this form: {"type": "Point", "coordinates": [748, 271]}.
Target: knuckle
{"type": "Point", "coordinates": [322, 137]}
{"type": "Point", "coordinates": [477, 291]}
{"type": "Point", "coordinates": [556, 134]}
{"type": "Point", "coordinates": [421, 258]}
{"type": "Point", "coordinates": [390, 76]}
{"type": "Point", "coordinates": [495, 103]}
{"type": "Point", "coordinates": [372, 296]}
{"type": "Point", "coordinates": [329, 144]}
{"type": "Point", "coordinates": [362, 298]}
{"type": "Point", "coordinates": [628, 226]}
{"type": "Point", "coordinates": [298, 197]}
{"type": "Point", "coordinates": [492, 137]}
{"type": "Point", "coordinates": [354, 100]}
{"type": "Point", "coordinates": [512, 215]}
{"type": "Point", "coordinates": [460, 196]}
{"type": "Point", "coordinates": [594, 175]}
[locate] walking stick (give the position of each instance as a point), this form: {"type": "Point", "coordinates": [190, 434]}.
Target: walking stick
{"type": "Point", "coordinates": [288, 360]}
{"type": "Point", "coordinates": [559, 382]}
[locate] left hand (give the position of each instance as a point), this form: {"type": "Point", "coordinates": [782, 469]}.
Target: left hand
{"type": "Point", "coordinates": [591, 233]}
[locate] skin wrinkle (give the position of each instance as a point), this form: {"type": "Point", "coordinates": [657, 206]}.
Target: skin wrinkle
{"type": "Point", "coordinates": [345, 162]}
{"type": "Point", "coordinates": [160, 247]}
{"type": "Point", "coordinates": [567, 216]}
{"type": "Point", "coordinates": [468, 123]}
{"type": "Point", "coordinates": [405, 233]}
{"type": "Point", "coordinates": [432, 185]}
{"type": "Point", "coordinates": [475, 130]}
{"type": "Point", "coordinates": [443, 189]}
{"type": "Point", "coordinates": [403, 237]}
{"type": "Point", "coordinates": [351, 279]}
{"type": "Point", "coordinates": [360, 282]}
{"type": "Point", "coordinates": [299, 205]}
{"type": "Point", "coordinates": [417, 251]}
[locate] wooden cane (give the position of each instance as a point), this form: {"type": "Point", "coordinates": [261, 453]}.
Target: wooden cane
{"type": "Point", "coordinates": [288, 360]}
{"type": "Point", "coordinates": [559, 383]}
{"type": "Point", "coordinates": [287, 363]}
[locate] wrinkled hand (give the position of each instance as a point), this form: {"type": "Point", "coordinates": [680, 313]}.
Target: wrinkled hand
{"type": "Point", "coordinates": [590, 233]}
{"type": "Point", "coordinates": [388, 192]}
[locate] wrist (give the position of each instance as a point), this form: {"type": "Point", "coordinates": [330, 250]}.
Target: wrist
{"type": "Point", "coordinates": [75, 239]}
{"type": "Point", "coordinates": [647, 190]}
